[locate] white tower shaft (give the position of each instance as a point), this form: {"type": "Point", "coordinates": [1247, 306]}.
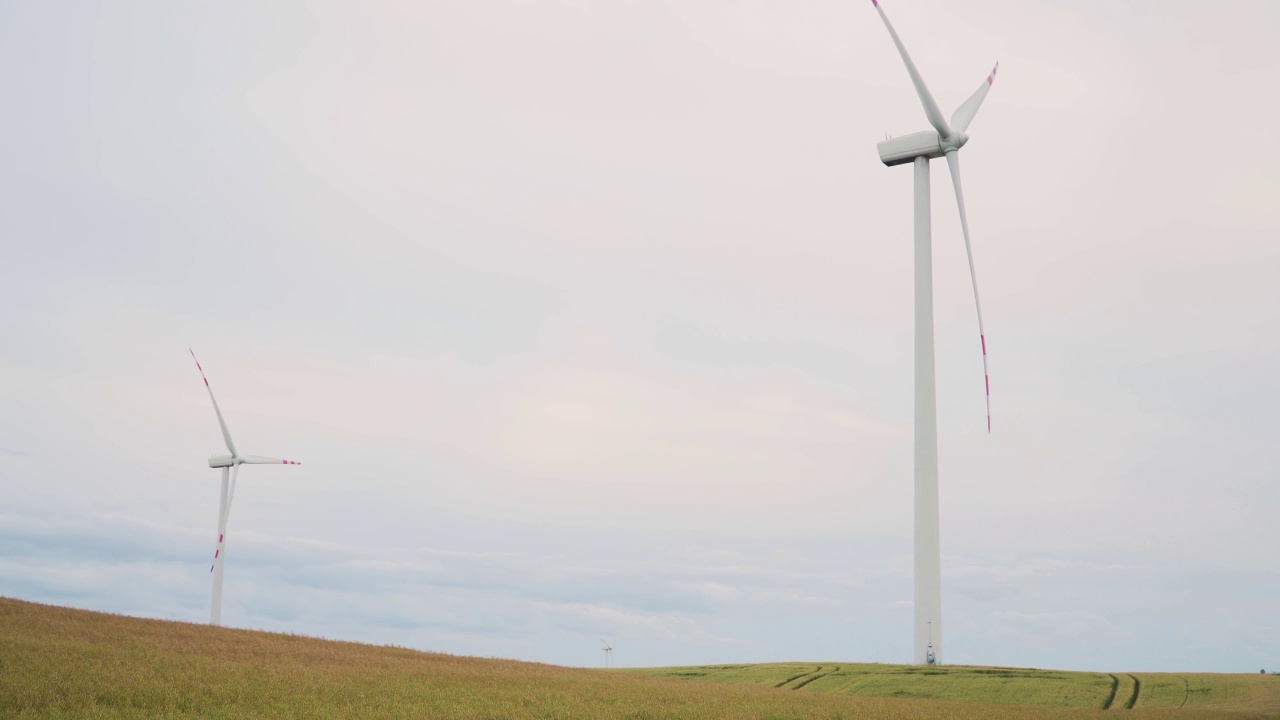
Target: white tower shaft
{"type": "Point", "coordinates": [215, 607]}
{"type": "Point", "coordinates": [928, 560]}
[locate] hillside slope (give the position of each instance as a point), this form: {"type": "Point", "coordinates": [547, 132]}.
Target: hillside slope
{"type": "Point", "coordinates": [62, 663]}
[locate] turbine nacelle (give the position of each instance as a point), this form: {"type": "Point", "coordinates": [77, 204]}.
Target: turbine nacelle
{"type": "Point", "coordinates": [927, 144]}
{"type": "Point", "coordinates": [222, 461]}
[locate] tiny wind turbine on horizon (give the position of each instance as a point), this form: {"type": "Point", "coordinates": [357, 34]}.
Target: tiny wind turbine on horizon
{"type": "Point", "coordinates": [945, 140]}
{"type": "Point", "coordinates": [230, 465]}
{"type": "Point", "coordinates": [608, 653]}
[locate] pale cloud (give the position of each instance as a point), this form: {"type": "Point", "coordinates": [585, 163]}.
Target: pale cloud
{"type": "Point", "coordinates": [598, 619]}
{"type": "Point", "coordinates": [1035, 629]}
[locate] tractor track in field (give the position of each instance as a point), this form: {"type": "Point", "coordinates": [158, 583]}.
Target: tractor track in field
{"type": "Point", "coordinates": [793, 678]}
{"type": "Point", "coordinates": [1186, 690]}
{"type": "Point", "coordinates": [1130, 701]}
{"type": "Point", "coordinates": [1137, 688]}
{"type": "Point", "coordinates": [1115, 685]}
{"type": "Point", "coordinates": [816, 676]}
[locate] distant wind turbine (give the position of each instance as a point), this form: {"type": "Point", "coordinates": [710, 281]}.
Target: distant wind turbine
{"type": "Point", "coordinates": [945, 139]}
{"type": "Point", "coordinates": [608, 653]}
{"type": "Point", "coordinates": [230, 465]}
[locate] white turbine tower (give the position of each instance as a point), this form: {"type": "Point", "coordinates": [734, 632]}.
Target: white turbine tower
{"type": "Point", "coordinates": [230, 465]}
{"type": "Point", "coordinates": [608, 653]}
{"type": "Point", "coordinates": [918, 149]}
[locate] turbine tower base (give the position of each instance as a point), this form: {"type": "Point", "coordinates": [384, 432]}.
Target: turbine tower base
{"type": "Point", "coordinates": [928, 560]}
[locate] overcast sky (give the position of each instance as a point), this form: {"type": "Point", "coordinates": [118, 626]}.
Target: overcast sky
{"type": "Point", "coordinates": [593, 320]}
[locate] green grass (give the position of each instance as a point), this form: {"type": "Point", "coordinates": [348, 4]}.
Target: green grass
{"type": "Point", "coordinates": [62, 663]}
{"type": "Point", "coordinates": [1163, 690]}
{"type": "Point", "coordinates": [994, 686]}
{"type": "Point", "coordinates": [1258, 695]}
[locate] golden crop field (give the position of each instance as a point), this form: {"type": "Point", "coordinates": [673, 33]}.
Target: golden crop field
{"type": "Point", "coordinates": [62, 663]}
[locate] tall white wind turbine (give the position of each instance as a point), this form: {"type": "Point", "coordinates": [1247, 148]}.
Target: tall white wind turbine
{"type": "Point", "coordinates": [945, 139]}
{"type": "Point", "coordinates": [230, 465]}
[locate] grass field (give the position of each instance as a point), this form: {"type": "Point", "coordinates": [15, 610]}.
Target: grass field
{"type": "Point", "coordinates": [1183, 692]}
{"type": "Point", "coordinates": [62, 663]}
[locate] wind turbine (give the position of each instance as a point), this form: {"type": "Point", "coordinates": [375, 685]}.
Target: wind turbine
{"type": "Point", "coordinates": [230, 465]}
{"type": "Point", "coordinates": [945, 140]}
{"type": "Point", "coordinates": [608, 653]}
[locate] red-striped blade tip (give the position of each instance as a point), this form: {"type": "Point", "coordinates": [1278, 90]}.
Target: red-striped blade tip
{"type": "Point", "coordinates": [986, 378]}
{"type": "Point", "coordinates": [193, 357]}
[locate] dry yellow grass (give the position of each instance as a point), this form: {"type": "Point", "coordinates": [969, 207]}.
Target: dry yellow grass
{"type": "Point", "coordinates": [62, 663]}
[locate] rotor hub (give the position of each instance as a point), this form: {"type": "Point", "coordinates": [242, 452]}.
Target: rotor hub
{"type": "Point", "coordinates": [955, 142]}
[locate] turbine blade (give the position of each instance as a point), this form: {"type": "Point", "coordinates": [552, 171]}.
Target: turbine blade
{"type": "Point", "coordinates": [953, 163]}
{"type": "Point", "coordinates": [225, 509]}
{"type": "Point", "coordinates": [964, 114]}
{"type": "Point", "coordinates": [931, 110]}
{"type": "Point", "coordinates": [231, 495]}
{"type": "Point", "coordinates": [217, 550]}
{"type": "Point", "coordinates": [226, 434]}
{"type": "Point", "coordinates": [260, 460]}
